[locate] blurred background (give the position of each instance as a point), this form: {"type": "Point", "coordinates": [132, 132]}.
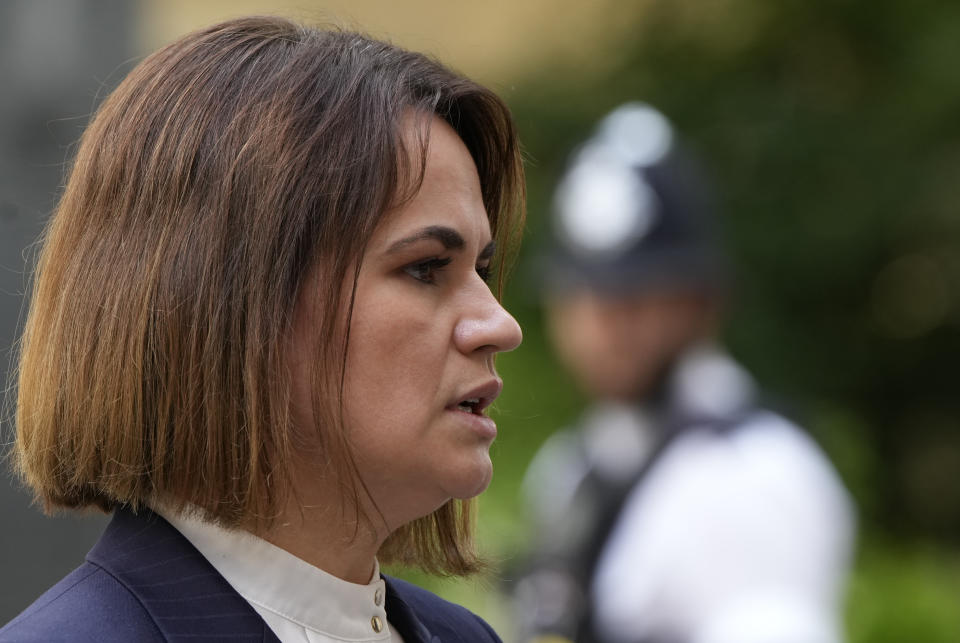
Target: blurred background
{"type": "Point", "coordinates": [832, 131]}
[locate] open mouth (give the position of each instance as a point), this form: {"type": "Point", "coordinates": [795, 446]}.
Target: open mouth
{"type": "Point", "coordinates": [476, 400]}
{"type": "Point", "coordinates": [471, 405]}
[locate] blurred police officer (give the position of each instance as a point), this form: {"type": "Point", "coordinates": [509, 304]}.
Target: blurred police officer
{"type": "Point", "coordinates": [678, 511]}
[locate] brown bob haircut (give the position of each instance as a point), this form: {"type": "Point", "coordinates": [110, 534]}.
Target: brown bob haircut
{"type": "Point", "coordinates": [222, 171]}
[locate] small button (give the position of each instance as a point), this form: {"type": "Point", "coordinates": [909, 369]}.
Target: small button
{"type": "Point", "coordinates": [376, 624]}
{"type": "Point", "coordinates": [378, 597]}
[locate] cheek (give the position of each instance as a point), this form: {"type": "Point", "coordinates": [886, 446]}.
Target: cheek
{"type": "Point", "coordinates": [391, 343]}
{"type": "Point", "coordinates": [394, 364]}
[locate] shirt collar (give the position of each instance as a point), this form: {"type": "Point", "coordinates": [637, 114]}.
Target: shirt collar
{"type": "Point", "coordinates": [274, 579]}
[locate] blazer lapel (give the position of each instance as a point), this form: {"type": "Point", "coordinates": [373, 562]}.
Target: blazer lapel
{"type": "Point", "coordinates": [182, 592]}
{"type": "Point", "coordinates": [404, 619]}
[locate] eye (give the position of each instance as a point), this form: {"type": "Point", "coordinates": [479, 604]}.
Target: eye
{"type": "Point", "coordinates": [485, 272]}
{"type": "Point", "coordinates": [426, 270]}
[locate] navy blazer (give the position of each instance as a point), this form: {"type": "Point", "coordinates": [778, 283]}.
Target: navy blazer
{"type": "Point", "coordinates": [144, 581]}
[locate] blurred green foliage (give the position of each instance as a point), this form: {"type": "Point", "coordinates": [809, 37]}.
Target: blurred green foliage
{"type": "Point", "coordinates": [832, 129]}
{"type": "Point", "coordinates": [904, 593]}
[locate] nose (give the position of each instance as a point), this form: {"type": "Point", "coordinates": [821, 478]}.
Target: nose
{"type": "Point", "coordinates": [487, 327]}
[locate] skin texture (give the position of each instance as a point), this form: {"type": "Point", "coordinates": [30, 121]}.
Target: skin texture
{"type": "Point", "coordinates": [617, 346]}
{"type": "Point", "coordinates": [423, 336]}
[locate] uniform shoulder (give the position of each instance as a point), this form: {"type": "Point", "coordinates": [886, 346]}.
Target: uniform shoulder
{"type": "Point", "coordinates": [446, 621]}
{"type": "Point", "coordinates": [86, 605]}
{"type": "Point", "coordinates": [764, 446]}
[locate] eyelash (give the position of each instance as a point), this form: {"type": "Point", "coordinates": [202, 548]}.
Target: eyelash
{"type": "Point", "coordinates": [425, 271]}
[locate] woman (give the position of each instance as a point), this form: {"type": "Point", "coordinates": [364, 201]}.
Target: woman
{"type": "Point", "coordinates": [260, 334]}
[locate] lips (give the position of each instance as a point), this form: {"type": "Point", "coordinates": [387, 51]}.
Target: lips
{"type": "Point", "coordinates": [477, 399]}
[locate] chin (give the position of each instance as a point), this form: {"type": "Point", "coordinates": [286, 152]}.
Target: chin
{"type": "Point", "coordinates": [461, 488]}
{"type": "Point", "coordinates": [473, 479]}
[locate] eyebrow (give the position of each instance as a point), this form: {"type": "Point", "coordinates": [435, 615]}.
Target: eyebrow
{"type": "Point", "coordinates": [488, 251]}
{"type": "Point", "coordinates": [450, 238]}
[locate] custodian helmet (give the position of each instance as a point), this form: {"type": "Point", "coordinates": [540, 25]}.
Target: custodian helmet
{"type": "Point", "coordinates": [633, 212]}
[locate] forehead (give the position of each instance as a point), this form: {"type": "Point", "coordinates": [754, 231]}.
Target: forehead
{"type": "Point", "coordinates": [449, 193]}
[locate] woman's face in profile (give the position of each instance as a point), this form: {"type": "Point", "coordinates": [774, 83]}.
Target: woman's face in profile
{"type": "Point", "coordinates": [424, 332]}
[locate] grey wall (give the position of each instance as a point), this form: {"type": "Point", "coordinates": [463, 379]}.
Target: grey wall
{"type": "Point", "coordinates": [57, 57]}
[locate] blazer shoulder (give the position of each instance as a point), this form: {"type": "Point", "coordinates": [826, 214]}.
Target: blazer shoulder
{"type": "Point", "coordinates": [86, 605]}
{"type": "Point", "coordinates": [446, 621]}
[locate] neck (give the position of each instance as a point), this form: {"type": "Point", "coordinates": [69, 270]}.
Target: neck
{"type": "Point", "coordinates": [331, 538]}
